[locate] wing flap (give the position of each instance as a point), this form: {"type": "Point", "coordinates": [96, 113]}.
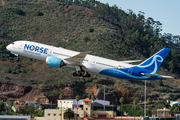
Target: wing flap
{"type": "Point", "coordinates": [130, 61]}
{"type": "Point", "coordinates": [77, 59]}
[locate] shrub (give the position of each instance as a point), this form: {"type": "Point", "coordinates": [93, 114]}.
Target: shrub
{"type": "Point", "coordinates": [19, 12]}
{"type": "Point", "coordinates": [160, 82]}
{"type": "Point", "coordinates": [67, 10]}
{"type": "Point", "coordinates": [73, 12]}
{"type": "Point", "coordinates": [2, 47]}
{"type": "Point", "coordinates": [38, 13]}
{"type": "Point", "coordinates": [7, 77]}
{"type": "Point", "coordinates": [13, 72]}
{"type": "Point", "coordinates": [91, 30]}
{"type": "Point", "coordinates": [61, 9]}
{"type": "Point", "coordinates": [86, 39]}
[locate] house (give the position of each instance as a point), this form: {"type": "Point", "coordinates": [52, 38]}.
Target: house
{"type": "Point", "coordinates": [72, 103]}
{"type": "Point", "coordinates": [84, 112]}
{"type": "Point", "coordinates": [174, 102]}
{"type": "Point", "coordinates": [163, 113]}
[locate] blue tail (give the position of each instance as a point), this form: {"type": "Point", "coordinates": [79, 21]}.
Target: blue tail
{"type": "Point", "coordinates": [154, 62]}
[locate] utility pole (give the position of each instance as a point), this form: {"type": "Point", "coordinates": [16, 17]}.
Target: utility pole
{"type": "Point", "coordinates": [145, 100]}
{"type": "Point", "coordinates": [104, 96]}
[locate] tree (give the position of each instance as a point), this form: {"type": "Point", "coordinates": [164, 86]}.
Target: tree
{"type": "Point", "coordinates": [149, 101]}
{"type": "Point", "coordinates": [69, 113]}
{"type": "Point", "coordinates": [10, 102]}
{"type": "Point", "coordinates": [61, 97]}
{"type": "Point", "coordinates": [135, 101]}
{"type": "Point", "coordinates": [93, 97]}
{"type": "Point", "coordinates": [77, 98]}
{"type": "Point", "coordinates": [26, 110]}
{"type": "Point", "coordinates": [174, 109]}
{"type": "Point", "coordinates": [76, 2]}
{"type": "Point", "coordinates": [1, 106]}
{"type": "Point", "coordinates": [121, 100]}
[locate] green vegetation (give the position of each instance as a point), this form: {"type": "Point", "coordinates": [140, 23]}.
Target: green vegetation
{"type": "Point", "coordinates": [175, 109]}
{"type": "Point", "coordinates": [77, 99]}
{"type": "Point", "coordinates": [135, 101]}
{"type": "Point", "coordinates": [10, 102]}
{"type": "Point", "coordinates": [129, 109]}
{"type": "Point", "coordinates": [31, 110]}
{"type": "Point", "coordinates": [1, 107]}
{"type": "Point", "coordinates": [86, 25]}
{"type": "Point", "coordinates": [91, 30]}
{"type": "Point", "coordinates": [38, 13]}
{"type": "Point", "coordinates": [121, 100]}
{"type": "Point", "coordinates": [69, 113]}
{"type": "Point", "coordinates": [19, 11]}
{"type": "Point", "coordinates": [93, 97]}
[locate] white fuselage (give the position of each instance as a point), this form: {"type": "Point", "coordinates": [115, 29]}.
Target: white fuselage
{"type": "Point", "coordinates": [41, 52]}
{"type": "Point", "coordinates": [83, 63]}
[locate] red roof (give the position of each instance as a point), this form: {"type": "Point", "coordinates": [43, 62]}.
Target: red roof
{"type": "Point", "coordinates": [87, 100]}
{"type": "Point", "coordinates": [87, 118]}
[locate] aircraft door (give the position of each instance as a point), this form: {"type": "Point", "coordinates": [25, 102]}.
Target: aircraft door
{"type": "Point", "coordinates": [93, 62]}
{"type": "Point", "coordinates": [20, 45]}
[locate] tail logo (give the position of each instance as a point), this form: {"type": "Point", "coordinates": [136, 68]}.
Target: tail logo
{"type": "Point", "coordinates": [155, 60]}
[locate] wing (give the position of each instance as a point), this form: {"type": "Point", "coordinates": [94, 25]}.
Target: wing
{"type": "Point", "coordinates": [77, 59]}
{"type": "Point", "coordinates": [130, 61]}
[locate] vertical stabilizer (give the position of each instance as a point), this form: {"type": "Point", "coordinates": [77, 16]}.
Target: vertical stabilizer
{"type": "Point", "coordinates": [155, 61]}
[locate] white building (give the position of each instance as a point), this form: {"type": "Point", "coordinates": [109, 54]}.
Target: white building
{"type": "Point", "coordinates": [174, 102]}
{"type": "Point", "coordinates": [69, 103]}
{"type": "Point", "coordinates": [64, 104]}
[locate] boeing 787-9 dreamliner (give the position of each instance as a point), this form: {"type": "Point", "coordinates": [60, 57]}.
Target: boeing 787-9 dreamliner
{"type": "Point", "coordinates": [83, 63]}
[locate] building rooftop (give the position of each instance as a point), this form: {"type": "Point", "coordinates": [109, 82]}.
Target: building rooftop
{"type": "Point", "coordinates": [87, 100]}
{"type": "Point", "coordinates": [15, 116]}
{"type": "Point", "coordinates": [70, 99]}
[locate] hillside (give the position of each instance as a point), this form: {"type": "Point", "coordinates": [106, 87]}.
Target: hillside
{"type": "Point", "coordinates": [85, 26]}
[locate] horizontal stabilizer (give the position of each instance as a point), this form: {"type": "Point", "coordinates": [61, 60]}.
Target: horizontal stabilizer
{"type": "Point", "coordinates": [166, 76]}
{"type": "Point", "coordinates": [153, 75]}
{"type": "Point", "coordinates": [156, 75]}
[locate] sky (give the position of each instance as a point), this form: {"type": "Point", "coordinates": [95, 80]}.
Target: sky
{"type": "Point", "coordinates": [165, 11]}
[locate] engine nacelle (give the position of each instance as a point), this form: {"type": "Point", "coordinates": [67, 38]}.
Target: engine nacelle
{"type": "Point", "coordinates": [54, 62]}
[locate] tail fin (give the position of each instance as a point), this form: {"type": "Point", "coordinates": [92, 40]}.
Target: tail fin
{"type": "Point", "coordinates": [155, 61]}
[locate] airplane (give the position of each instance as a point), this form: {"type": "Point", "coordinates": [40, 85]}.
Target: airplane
{"type": "Point", "coordinates": [83, 63]}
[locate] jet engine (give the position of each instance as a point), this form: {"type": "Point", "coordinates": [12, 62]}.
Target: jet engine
{"type": "Point", "coordinates": [54, 62]}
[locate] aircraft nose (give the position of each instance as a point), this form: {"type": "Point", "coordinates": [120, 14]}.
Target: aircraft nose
{"type": "Point", "coordinates": [8, 47]}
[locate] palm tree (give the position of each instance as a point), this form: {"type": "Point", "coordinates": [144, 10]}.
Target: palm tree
{"type": "Point", "coordinates": [77, 98]}
{"type": "Point", "coordinates": [135, 101]}
{"type": "Point", "coordinates": [121, 100]}
{"type": "Point", "coordinates": [61, 97]}
{"type": "Point", "coordinates": [149, 101]}
{"type": "Point", "coordinates": [93, 97]}
{"type": "Point", "coordinates": [69, 113]}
